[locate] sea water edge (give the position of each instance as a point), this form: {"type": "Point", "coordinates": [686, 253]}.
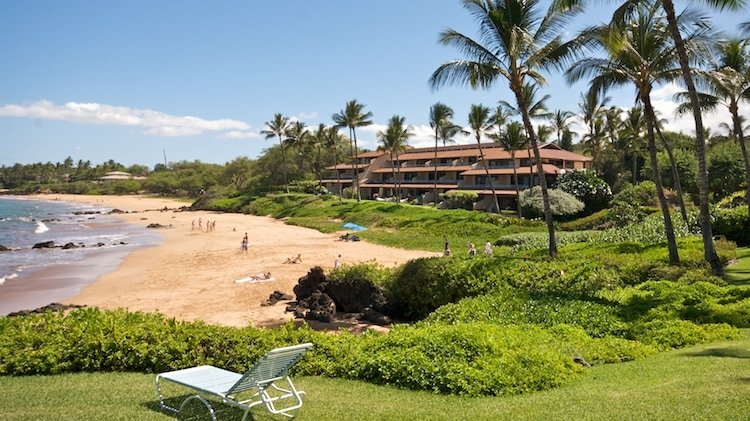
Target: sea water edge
{"type": "Point", "coordinates": [32, 278]}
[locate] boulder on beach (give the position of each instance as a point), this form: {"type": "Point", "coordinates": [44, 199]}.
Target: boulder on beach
{"type": "Point", "coordinates": [44, 245]}
{"type": "Point", "coordinates": [3, 248]}
{"type": "Point", "coordinates": [69, 246]}
{"type": "Point", "coordinates": [155, 225]}
{"type": "Point", "coordinates": [48, 307]}
{"type": "Point", "coordinates": [117, 211]}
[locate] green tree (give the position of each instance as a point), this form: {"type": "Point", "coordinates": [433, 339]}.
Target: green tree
{"type": "Point", "coordinates": [298, 138]}
{"type": "Point", "coordinates": [278, 128]}
{"type": "Point", "coordinates": [560, 121]}
{"type": "Point", "coordinates": [394, 140]}
{"type": "Point", "coordinates": [479, 122]}
{"type": "Point", "coordinates": [330, 141]}
{"type": "Point", "coordinates": [514, 45]}
{"type": "Point", "coordinates": [640, 53]}
{"type": "Point", "coordinates": [352, 116]}
{"type": "Point", "coordinates": [440, 120]}
{"type": "Point", "coordinates": [512, 138]}
{"type": "Point", "coordinates": [727, 170]}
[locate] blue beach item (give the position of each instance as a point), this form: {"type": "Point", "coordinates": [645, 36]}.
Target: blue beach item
{"type": "Point", "coordinates": [354, 227]}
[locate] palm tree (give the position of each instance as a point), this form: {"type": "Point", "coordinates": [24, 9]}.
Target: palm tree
{"type": "Point", "coordinates": [330, 141]}
{"type": "Point", "coordinates": [640, 53]}
{"type": "Point", "coordinates": [318, 140]}
{"type": "Point", "coordinates": [515, 43]}
{"type": "Point", "coordinates": [632, 133]}
{"type": "Point", "coordinates": [592, 107]}
{"type": "Point", "coordinates": [728, 84]}
{"type": "Point", "coordinates": [479, 122]}
{"type": "Point", "coordinates": [560, 122]}
{"type": "Point", "coordinates": [512, 138]}
{"type": "Point", "coordinates": [353, 116]}
{"type": "Point", "coordinates": [278, 128]}
{"type": "Point", "coordinates": [297, 137]}
{"type": "Point", "coordinates": [440, 119]}
{"type": "Point", "coordinates": [394, 141]}
{"type": "Point", "coordinates": [709, 251]}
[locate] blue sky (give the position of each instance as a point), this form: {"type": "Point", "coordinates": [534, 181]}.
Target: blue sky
{"type": "Point", "coordinates": [127, 79]}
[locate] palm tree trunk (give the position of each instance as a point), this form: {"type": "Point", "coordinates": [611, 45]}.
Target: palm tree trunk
{"type": "Point", "coordinates": [635, 168]}
{"type": "Point", "coordinates": [354, 162]}
{"type": "Point", "coordinates": [338, 176]}
{"type": "Point", "coordinates": [709, 252]}
{"type": "Point", "coordinates": [320, 170]}
{"type": "Point", "coordinates": [355, 180]}
{"type": "Point", "coordinates": [674, 258]}
{"type": "Point", "coordinates": [518, 190]}
{"type": "Point", "coordinates": [434, 191]}
{"type": "Point", "coordinates": [675, 174]}
{"type": "Point", "coordinates": [393, 171]}
{"type": "Point", "coordinates": [399, 187]}
{"type": "Point", "coordinates": [487, 172]}
{"type": "Point", "coordinates": [283, 165]}
{"type": "Point", "coordinates": [542, 181]}
{"type": "Point", "coordinates": [738, 130]}
{"type": "Point", "coordinates": [531, 169]}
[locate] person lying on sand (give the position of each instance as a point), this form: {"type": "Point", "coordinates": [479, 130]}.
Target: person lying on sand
{"type": "Point", "coordinates": [297, 259]}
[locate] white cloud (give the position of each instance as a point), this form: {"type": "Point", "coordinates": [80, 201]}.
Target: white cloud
{"type": "Point", "coordinates": [665, 105]}
{"type": "Point", "coordinates": [241, 134]}
{"type": "Point", "coordinates": [152, 122]}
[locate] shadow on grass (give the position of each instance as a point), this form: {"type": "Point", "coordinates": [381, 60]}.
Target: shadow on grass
{"type": "Point", "coordinates": [725, 352]}
{"type": "Point", "coordinates": [195, 410]}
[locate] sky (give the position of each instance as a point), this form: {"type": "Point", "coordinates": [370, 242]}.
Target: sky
{"type": "Point", "coordinates": [133, 80]}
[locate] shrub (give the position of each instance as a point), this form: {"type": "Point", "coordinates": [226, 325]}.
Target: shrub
{"type": "Point", "coordinates": [680, 333]}
{"type": "Point", "coordinates": [732, 223]}
{"type": "Point", "coordinates": [458, 199]}
{"type": "Point", "coordinates": [585, 186]}
{"type": "Point", "coordinates": [641, 194]}
{"type": "Point", "coordinates": [561, 203]}
{"type": "Point", "coordinates": [733, 200]}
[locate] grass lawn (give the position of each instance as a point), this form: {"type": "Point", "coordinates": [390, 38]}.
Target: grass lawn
{"type": "Point", "coordinates": [739, 273]}
{"type": "Point", "coordinates": [704, 382]}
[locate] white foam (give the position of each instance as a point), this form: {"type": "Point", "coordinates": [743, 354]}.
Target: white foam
{"type": "Point", "coordinates": [8, 277]}
{"type": "Point", "coordinates": [41, 227]}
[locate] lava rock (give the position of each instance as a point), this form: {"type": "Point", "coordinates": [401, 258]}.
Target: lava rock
{"type": "Point", "coordinates": [44, 245]}
{"type": "Point", "coordinates": [155, 225]}
{"type": "Point", "coordinates": [69, 246]}
{"type": "Point", "coordinates": [3, 248]}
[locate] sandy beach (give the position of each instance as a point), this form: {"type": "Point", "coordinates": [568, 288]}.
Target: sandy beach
{"type": "Point", "coordinates": [190, 275]}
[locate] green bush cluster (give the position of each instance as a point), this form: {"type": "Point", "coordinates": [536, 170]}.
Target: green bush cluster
{"type": "Point", "coordinates": [561, 202]}
{"type": "Point", "coordinates": [732, 223]}
{"type": "Point", "coordinates": [587, 187]}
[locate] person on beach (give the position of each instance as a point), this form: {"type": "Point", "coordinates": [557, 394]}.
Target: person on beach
{"type": "Point", "coordinates": [192, 225]}
{"type": "Point", "coordinates": [200, 224]}
{"type": "Point", "coordinates": [488, 248]}
{"type": "Point", "coordinates": [446, 248]}
{"type": "Point", "coordinates": [244, 244]}
{"type": "Point", "coordinates": [337, 262]}
{"type": "Point", "coordinates": [472, 249]}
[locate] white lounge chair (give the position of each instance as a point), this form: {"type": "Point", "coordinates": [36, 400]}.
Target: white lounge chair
{"type": "Point", "coordinates": [228, 386]}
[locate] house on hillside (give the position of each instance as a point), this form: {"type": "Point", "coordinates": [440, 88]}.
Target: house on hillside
{"type": "Point", "coordinates": [421, 171]}
{"type": "Point", "coordinates": [119, 175]}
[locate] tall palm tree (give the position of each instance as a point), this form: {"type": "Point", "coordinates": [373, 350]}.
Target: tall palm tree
{"type": "Point", "coordinates": [479, 122]}
{"type": "Point", "coordinates": [277, 127]}
{"type": "Point", "coordinates": [352, 116]}
{"type": "Point", "coordinates": [394, 141]}
{"type": "Point", "coordinates": [512, 138]}
{"type": "Point", "coordinates": [641, 53]}
{"type": "Point", "coordinates": [728, 84]}
{"type": "Point", "coordinates": [560, 122]}
{"type": "Point", "coordinates": [440, 118]}
{"type": "Point", "coordinates": [632, 134]}
{"type": "Point", "coordinates": [515, 43]}
{"type": "Point", "coordinates": [627, 6]}
{"type": "Point", "coordinates": [317, 141]}
{"type": "Point", "coordinates": [331, 139]}
{"type": "Point", "coordinates": [592, 108]}
{"type": "Point", "coordinates": [297, 137]}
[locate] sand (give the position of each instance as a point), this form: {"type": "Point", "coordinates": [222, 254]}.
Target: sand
{"type": "Point", "coordinates": [190, 275]}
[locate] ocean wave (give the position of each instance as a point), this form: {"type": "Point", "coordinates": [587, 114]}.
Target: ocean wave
{"type": "Point", "coordinates": [8, 277]}
{"type": "Point", "coordinates": [41, 228]}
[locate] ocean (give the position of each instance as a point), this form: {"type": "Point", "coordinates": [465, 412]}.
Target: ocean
{"type": "Point", "coordinates": [31, 278]}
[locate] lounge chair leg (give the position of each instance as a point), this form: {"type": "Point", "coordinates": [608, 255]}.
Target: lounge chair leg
{"type": "Point", "coordinates": [205, 402]}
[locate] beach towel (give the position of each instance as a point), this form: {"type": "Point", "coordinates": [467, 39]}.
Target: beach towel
{"type": "Point", "coordinates": [255, 279]}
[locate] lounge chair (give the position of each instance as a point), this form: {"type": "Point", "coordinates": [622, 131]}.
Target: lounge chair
{"type": "Point", "coordinates": [226, 385]}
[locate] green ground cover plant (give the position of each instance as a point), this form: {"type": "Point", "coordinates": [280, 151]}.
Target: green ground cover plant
{"type": "Point", "coordinates": [701, 382]}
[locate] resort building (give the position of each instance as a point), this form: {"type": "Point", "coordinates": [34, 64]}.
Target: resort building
{"type": "Point", "coordinates": [458, 167]}
{"type": "Point", "coordinates": [119, 175]}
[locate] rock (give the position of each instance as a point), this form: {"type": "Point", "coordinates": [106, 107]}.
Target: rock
{"type": "Point", "coordinates": [155, 225]}
{"type": "Point", "coordinates": [314, 281]}
{"type": "Point", "coordinates": [69, 246]}
{"type": "Point", "coordinates": [100, 244]}
{"type": "Point", "coordinates": [116, 211]}
{"type": "Point", "coordinates": [48, 307]}
{"type": "Point", "coordinates": [581, 361]}
{"type": "Point", "coordinates": [372, 316]}
{"type": "Point", "coordinates": [3, 248]}
{"type": "Point", "coordinates": [356, 296]}
{"type": "Point", "coordinates": [50, 220]}
{"type": "Point", "coordinates": [319, 307]}
{"type": "Point", "coordinates": [275, 297]}
{"type": "Point", "coordinates": [86, 212]}
{"type": "Point", "coordinates": [44, 245]}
